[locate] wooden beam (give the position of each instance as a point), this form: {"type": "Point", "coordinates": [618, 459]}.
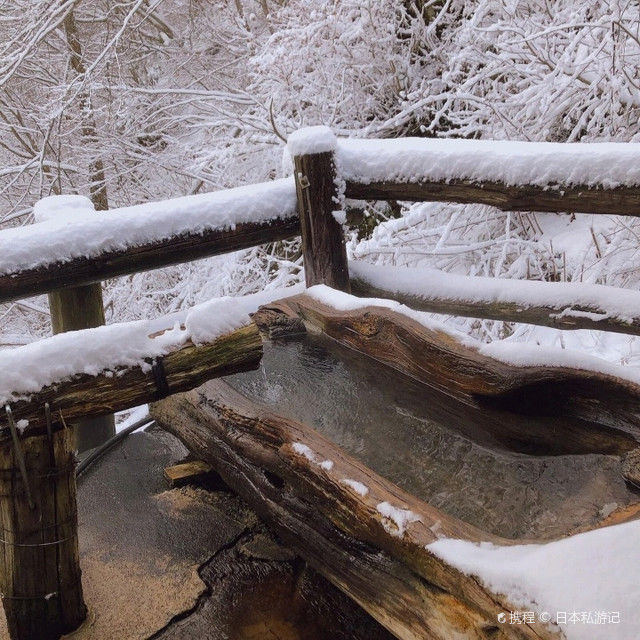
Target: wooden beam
{"type": "Point", "coordinates": [178, 475]}
{"type": "Point", "coordinates": [340, 533]}
{"type": "Point", "coordinates": [184, 248]}
{"type": "Point", "coordinates": [580, 316]}
{"type": "Point", "coordinates": [623, 201]}
{"type": "Point", "coordinates": [184, 368]}
{"type": "Point", "coordinates": [323, 247]}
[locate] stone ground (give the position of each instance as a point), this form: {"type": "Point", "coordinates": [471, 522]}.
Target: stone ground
{"type": "Point", "coordinates": [193, 562]}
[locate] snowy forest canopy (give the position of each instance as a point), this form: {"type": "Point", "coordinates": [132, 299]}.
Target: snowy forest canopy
{"type": "Point", "coordinates": [145, 100]}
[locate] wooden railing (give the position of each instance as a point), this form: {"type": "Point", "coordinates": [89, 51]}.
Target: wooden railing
{"type": "Point", "coordinates": [319, 190]}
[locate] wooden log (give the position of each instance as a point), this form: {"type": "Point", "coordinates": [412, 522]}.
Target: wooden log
{"type": "Point", "coordinates": [623, 201]}
{"type": "Point", "coordinates": [154, 255]}
{"type": "Point", "coordinates": [323, 247]}
{"type": "Point", "coordinates": [600, 413]}
{"type": "Point", "coordinates": [71, 310]}
{"type": "Point", "coordinates": [582, 317]}
{"type": "Point", "coordinates": [184, 368]}
{"type": "Point", "coordinates": [39, 561]}
{"type": "Point", "coordinates": [341, 533]}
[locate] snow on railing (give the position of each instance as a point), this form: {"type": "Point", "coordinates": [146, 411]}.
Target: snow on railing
{"type": "Point", "coordinates": [514, 176]}
{"type": "Point", "coordinates": [77, 246]}
{"type": "Point", "coordinates": [562, 305]}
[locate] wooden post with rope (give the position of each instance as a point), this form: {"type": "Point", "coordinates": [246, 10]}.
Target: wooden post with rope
{"type": "Point", "coordinates": [39, 559]}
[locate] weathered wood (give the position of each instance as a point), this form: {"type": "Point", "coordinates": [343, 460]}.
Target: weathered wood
{"type": "Point", "coordinates": [184, 248]}
{"type": "Point", "coordinates": [582, 317]}
{"type": "Point", "coordinates": [39, 562]}
{"type": "Point", "coordinates": [600, 413]}
{"type": "Point", "coordinates": [624, 201]}
{"type": "Point", "coordinates": [323, 247]}
{"type": "Point", "coordinates": [339, 532]}
{"type": "Point", "coordinates": [111, 391]}
{"type": "Point", "coordinates": [71, 310]}
{"type": "Point", "coordinates": [181, 474]}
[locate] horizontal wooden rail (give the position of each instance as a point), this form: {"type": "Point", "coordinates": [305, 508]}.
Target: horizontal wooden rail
{"type": "Point", "coordinates": [570, 305]}
{"type": "Point", "coordinates": [183, 248]}
{"type": "Point", "coordinates": [185, 367]}
{"type": "Point", "coordinates": [623, 201]}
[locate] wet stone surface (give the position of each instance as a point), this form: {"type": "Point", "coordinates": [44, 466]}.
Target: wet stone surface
{"type": "Point", "coordinates": [434, 446]}
{"type": "Point", "coordinates": [193, 562]}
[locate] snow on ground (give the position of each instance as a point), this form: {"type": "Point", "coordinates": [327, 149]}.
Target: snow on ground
{"type": "Point", "coordinates": [27, 369]}
{"type": "Point", "coordinates": [60, 238]}
{"type": "Point", "coordinates": [593, 572]}
{"type": "Point", "coordinates": [609, 164]}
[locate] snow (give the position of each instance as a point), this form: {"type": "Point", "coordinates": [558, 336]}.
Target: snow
{"type": "Point", "coordinates": [545, 164]}
{"type": "Point", "coordinates": [63, 237]}
{"type": "Point", "coordinates": [71, 208]}
{"type": "Point", "coordinates": [304, 450]}
{"type": "Point", "coordinates": [128, 417]}
{"type": "Point", "coordinates": [400, 517]}
{"type": "Point", "coordinates": [339, 216]}
{"type": "Point", "coordinates": [309, 454]}
{"type": "Point", "coordinates": [358, 487]}
{"type": "Point", "coordinates": [430, 284]}
{"type": "Point", "coordinates": [318, 139]}
{"type": "Point", "coordinates": [510, 351]}
{"type": "Point", "coordinates": [521, 354]}
{"type": "Point", "coordinates": [589, 572]}
{"type": "Point", "coordinates": [26, 369]}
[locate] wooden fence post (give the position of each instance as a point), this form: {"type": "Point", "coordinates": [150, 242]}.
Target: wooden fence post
{"type": "Point", "coordinates": [73, 309]}
{"type": "Point", "coordinates": [39, 560]}
{"type": "Point", "coordinates": [323, 247]}
{"type": "Point", "coordinates": [77, 308]}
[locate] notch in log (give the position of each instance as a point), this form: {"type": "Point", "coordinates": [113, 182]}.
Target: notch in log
{"type": "Point", "coordinates": [323, 246]}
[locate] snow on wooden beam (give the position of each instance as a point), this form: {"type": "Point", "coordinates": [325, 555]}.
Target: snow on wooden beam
{"type": "Point", "coordinates": [70, 249]}
{"type": "Point", "coordinates": [513, 176]}
{"type": "Point", "coordinates": [561, 305]}
{"type": "Point", "coordinates": [107, 369]}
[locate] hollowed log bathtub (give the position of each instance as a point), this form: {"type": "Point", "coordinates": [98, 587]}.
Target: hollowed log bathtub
{"type": "Point", "coordinates": [360, 458]}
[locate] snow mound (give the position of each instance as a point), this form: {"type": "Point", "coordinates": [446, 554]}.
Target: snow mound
{"type": "Point", "coordinates": [593, 572]}
{"type": "Point", "coordinates": [311, 140]}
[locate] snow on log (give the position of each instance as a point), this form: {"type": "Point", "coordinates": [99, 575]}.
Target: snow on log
{"type": "Point", "coordinates": [561, 305]}
{"type": "Point", "coordinates": [601, 400]}
{"type": "Point", "coordinates": [518, 176]}
{"type": "Point", "coordinates": [69, 249]}
{"type": "Point", "coordinates": [591, 574]}
{"type": "Point", "coordinates": [358, 529]}
{"type": "Point", "coordinates": [103, 370]}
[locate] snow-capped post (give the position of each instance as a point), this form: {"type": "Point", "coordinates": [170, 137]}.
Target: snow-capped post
{"type": "Point", "coordinates": [39, 563]}
{"type": "Point", "coordinates": [77, 308]}
{"type": "Point", "coordinates": [319, 207]}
